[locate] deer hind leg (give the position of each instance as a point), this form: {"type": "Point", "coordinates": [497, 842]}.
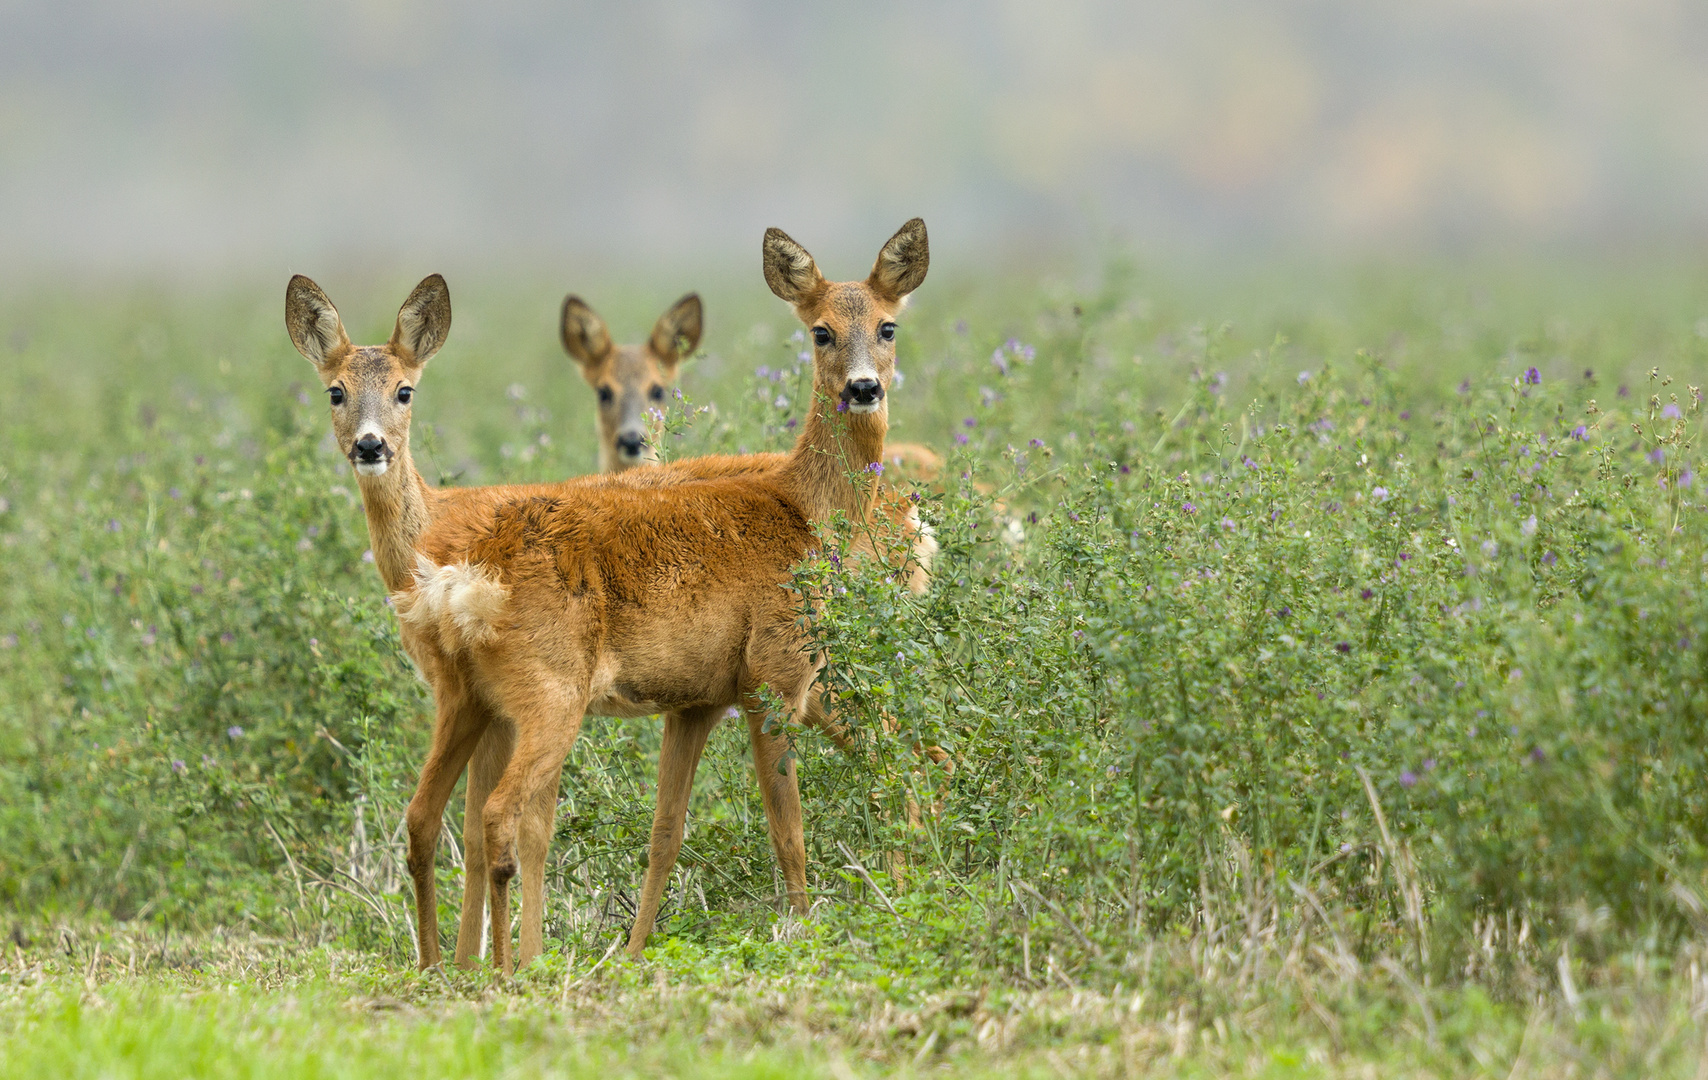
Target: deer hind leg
{"type": "Point", "coordinates": [780, 791]}
{"type": "Point", "coordinates": [539, 820]}
{"type": "Point", "coordinates": [685, 735]}
{"type": "Point", "coordinates": [547, 718]}
{"type": "Point", "coordinates": [456, 729]}
{"type": "Point", "coordinates": [491, 755]}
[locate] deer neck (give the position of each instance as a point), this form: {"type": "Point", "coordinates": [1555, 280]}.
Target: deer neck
{"type": "Point", "coordinates": [830, 465]}
{"type": "Point", "coordinates": [398, 505]}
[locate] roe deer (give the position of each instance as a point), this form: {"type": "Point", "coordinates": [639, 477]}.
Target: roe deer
{"type": "Point", "coordinates": [629, 379]}
{"type": "Point", "coordinates": [525, 608]}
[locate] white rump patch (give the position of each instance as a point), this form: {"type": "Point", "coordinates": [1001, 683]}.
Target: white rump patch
{"type": "Point", "coordinates": [460, 604]}
{"type": "Point", "coordinates": [924, 540]}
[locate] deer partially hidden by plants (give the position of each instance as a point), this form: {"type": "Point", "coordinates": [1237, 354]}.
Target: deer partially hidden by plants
{"type": "Point", "coordinates": [633, 381]}
{"type": "Point", "coordinates": [629, 380]}
{"type": "Point", "coordinates": [527, 608]}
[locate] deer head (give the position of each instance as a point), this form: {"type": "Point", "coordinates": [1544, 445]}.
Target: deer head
{"type": "Point", "coordinates": [852, 323]}
{"type": "Point", "coordinates": [629, 379]}
{"type": "Point", "coordinates": [371, 387]}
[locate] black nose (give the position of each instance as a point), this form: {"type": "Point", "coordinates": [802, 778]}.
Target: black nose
{"type": "Point", "coordinates": [864, 392]}
{"type": "Point", "coordinates": [368, 448]}
{"type": "Point", "coordinates": [630, 443]}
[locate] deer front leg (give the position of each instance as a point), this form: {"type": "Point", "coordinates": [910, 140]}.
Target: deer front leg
{"type": "Point", "coordinates": [456, 729]}
{"type": "Point", "coordinates": [685, 735]}
{"type": "Point", "coordinates": [780, 791]}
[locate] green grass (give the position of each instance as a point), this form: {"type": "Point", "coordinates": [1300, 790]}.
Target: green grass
{"type": "Point", "coordinates": [223, 1005]}
{"type": "Point", "coordinates": [1321, 656]}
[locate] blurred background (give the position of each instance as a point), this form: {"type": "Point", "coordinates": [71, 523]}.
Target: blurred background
{"type": "Point", "coordinates": [197, 136]}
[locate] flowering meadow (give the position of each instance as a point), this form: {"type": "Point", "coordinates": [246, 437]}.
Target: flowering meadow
{"type": "Point", "coordinates": [1318, 659]}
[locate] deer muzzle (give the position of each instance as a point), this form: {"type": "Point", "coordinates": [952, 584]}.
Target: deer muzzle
{"type": "Point", "coordinates": [863, 395]}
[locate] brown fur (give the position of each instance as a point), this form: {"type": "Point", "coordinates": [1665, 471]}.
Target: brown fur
{"type": "Point", "coordinates": [604, 594]}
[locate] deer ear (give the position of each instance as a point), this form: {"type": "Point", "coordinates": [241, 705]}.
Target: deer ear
{"type": "Point", "coordinates": [902, 263]}
{"type": "Point", "coordinates": [424, 321]}
{"type": "Point", "coordinates": [789, 269]}
{"type": "Point", "coordinates": [584, 335]}
{"type": "Point", "coordinates": [677, 333]}
{"type": "Point", "coordinates": [313, 323]}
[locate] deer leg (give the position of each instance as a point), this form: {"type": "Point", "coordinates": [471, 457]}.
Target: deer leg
{"type": "Point", "coordinates": [685, 735]}
{"type": "Point", "coordinates": [491, 755]}
{"type": "Point", "coordinates": [456, 729]}
{"type": "Point", "coordinates": [780, 791]}
{"type": "Point", "coordinates": [546, 727]}
{"type": "Point", "coordinates": [539, 819]}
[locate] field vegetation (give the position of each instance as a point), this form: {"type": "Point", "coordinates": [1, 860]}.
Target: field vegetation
{"type": "Point", "coordinates": [1319, 656]}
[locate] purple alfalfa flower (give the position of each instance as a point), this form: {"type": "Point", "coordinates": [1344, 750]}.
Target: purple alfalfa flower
{"type": "Point", "coordinates": [1465, 387]}
{"type": "Point", "coordinates": [1073, 517]}
{"type": "Point", "coordinates": [234, 732]}
{"type": "Point", "coordinates": [1379, 493]}
{"type": "Point", "coordinates": [1219, 380]}
{"type": "Point", "coordinates": [1188, 507]}
{"type": "Point", "coordinates": [1408, 778]}
{"type": "Point", "coordinates": [1228, 523]}
{"type": "Point", "coordinates": [1365, 594]}
{"type": "Point", "coordinates": [1304, 377]}
{"type": "Point", "coordinates": [1428, 764]}
{"type": "Point", "coordinates": [1538, 756]}
{"type": "Point", "coordinates": [113, 525]}
{"type": "Point", "coordinates": [1686, 478]}
{"type": "Point", "coordinates": [900, 659]}
{"type": "Point", "coordinates": [1657, 455]}
{"type": "Point", "coordinates": [1671, 411]}
{"type": "Point", "coordinates": [763, 371]}
{"type": "Point", "coordinates": [1283, 611]}
{"type": "Point", "coordinates": [179, 767]}
{"type": "Point", "coordinates": [1580, 433]}
{"type": "Point", "coordinates": [876, 468]}
{"type": "Point", "coordinates": [1624, 391]}
{"type": "Point", "coordinates": [1532, 377]}
{"type": "Point", "coordinates": [1343, 647]}
{"type": "Point", "coordinates": [961, 438]}
{"type": "Point", "coordinates": [1035, 443]}
{"type": "Point", "coordinates": [1549, 559]}
{"type": "Point", "coordinates": [999, 361]}
{"type": "Point", "coordinates": [227, 638]}
{"type": "Point", "coordinates": [841, 406]}
{"type": "Point", "coordinates": [1405, 414]}
{"type": "Point", "coordinates": [971, 421]}
{"type": "Point", "coordinates": [174, 493]}
{"type": "Point", "coordinates": [961, 327]}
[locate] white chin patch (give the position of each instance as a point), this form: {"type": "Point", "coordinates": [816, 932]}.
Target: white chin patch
{"type": "Point", "coordinates": [371, 468]}
{"type": "Point", "coordinates": [855, 407]}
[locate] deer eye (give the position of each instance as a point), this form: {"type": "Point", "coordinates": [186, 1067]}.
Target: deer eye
{"type": "Point", "coordinates": [656, 393]}
{"type": "Point", "coordinates": [887, 331]}
{"type": "Point", "coordinates": [336, 393]}
{"type": "Point", "coordinates": [404, 394]}
{"type": "Point", "coordinates": [605, 395]}
{"type": "Point", "coordinates": [820, 336]}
